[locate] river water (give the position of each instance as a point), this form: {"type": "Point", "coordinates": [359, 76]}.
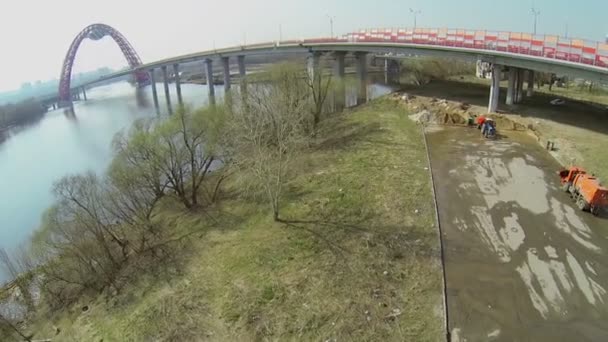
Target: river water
{"type": "Point", "coordinates": [33, 157]}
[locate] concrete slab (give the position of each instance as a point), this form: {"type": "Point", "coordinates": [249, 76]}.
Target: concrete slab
{"type": "Point", "coordinates": [522, 263]}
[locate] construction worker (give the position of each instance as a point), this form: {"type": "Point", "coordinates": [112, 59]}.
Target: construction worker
{"type": "Point", "coordinates": [480, 121]}
{"type": "Point", "coordinates": [488, 128]}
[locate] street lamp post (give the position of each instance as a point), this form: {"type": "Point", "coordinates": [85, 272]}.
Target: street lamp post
{"type": "Point", "coordinates": [331, 25]}
{"type": "Point", "coordinates": [415, 13]}
{"type": "Point", "coordinates": [535, 13]}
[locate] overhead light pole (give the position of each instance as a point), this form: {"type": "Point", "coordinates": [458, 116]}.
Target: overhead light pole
{"type": "Point", "coordinates": [535, 13]}
{"type": "Point", "coordinates": [331, 24]}
{"type": "Point", "coordinates": [415, 13]}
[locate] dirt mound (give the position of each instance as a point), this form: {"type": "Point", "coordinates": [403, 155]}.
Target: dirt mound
{"type": "Point", "coordinates": [442, 111]}
{"type": "Point", "coordinates": [506, 123]}
{"type": "Point", "coordinates": [439, 117]}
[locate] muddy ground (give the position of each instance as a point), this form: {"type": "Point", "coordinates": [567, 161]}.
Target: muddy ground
{"type": "Point", "coordinates": [522, 263]}
{"type": "Point", "coordinates": [579, 130]}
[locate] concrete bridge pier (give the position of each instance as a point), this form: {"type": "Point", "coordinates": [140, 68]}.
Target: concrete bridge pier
{"type": "Point", "coordinates": [512, 75]}
{"type": "Point", "coordinates": [210, 85]}
{"type": "Point", "coordinates": [226, 69]}
{"type": "Point", "coordinates": [391, 71]}
{"type": "Point", "coordinates": [361, 60]}
{"type": "Point", "coordinates": [153, 84]}
{"type": "Point", "coordinates": [340, 87]}
{"type": "Point", "coordinates": [178, 84]}
{"type": "Point", "coordinates": [84, 93]}
{"type": "Point", "coordinates": [241, 62]}
{"type": "Point", "coordinates": [313, 62]}
{"type": "Point", "coordinates": [242, 74]}
{"type": "Point", "coordinates": [519, 97]}
{"type": "Point", "coordinates": [530, 90]}
{"type": "Point", "coordinates": [495, 88]}
{"type": "Point", "coordinates": [166, 86]}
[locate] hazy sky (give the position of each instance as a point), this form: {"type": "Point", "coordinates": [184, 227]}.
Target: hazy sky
{"type": "Point", "coordinates": [35, 35]}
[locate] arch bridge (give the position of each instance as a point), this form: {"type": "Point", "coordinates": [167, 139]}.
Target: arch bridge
{"type": "Point", "coordinates": [518, 54]}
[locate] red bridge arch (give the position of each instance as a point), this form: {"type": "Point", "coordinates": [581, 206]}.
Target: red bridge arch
{"type": "Point", "coordinates": [96, 32]}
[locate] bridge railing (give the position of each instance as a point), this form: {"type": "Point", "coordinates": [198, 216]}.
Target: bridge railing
{"type": "Point", "coordinates": [548, 46]}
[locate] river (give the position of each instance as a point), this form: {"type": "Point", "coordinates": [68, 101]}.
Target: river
{"type": "Point", "coordinates": [33, 157]}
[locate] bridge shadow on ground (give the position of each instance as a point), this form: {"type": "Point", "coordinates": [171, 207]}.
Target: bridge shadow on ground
{"type": "Point", "coordinates": [577, 113]}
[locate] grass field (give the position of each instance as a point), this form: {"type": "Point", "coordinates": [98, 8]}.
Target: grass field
{"type": "Point", "coordinates": [356, 259]}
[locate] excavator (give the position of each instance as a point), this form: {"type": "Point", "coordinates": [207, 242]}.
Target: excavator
{"type": "Point", "coordinates": [585, 189]}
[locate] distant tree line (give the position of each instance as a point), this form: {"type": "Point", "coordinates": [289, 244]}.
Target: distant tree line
{"type": "Point", "coordinates": [20, 112]}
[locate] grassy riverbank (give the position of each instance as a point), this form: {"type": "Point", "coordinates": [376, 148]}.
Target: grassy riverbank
{"type": "Point", "coordinates": [356, 258]}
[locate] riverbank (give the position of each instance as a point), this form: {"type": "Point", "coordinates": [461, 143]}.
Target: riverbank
{"type": "Point", "coordinates": [356, 257]}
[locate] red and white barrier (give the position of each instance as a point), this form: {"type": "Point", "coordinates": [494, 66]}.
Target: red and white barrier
{"type": "Point", "coordinates": [548, 46]}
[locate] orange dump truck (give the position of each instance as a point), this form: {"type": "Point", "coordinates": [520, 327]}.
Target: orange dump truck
{"type": "Point", "coordinates": [585, 189]}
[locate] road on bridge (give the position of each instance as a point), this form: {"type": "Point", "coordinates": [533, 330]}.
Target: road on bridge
{"type": "Point", "coordinates": [522, 263]}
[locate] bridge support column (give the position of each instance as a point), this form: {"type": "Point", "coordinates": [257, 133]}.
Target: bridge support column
{"type": "Point", "coordinates": [242, 69]}
{"type": "Point", "coordinates": [154, 92]}
{"type": "Point", "coordinates": [84, 93]}
{"type": "Point", "coordinates": [242, 74]}
{"type": "Point", "coordinates": [391, 71]}
{"type": "Point", "coordinates": [226, 69]}
{"type": "Point", "coordinates": [361, 58]}
{"type": "Point", "coordinates": [495, 88]}
{"type": "Point", "coordinates": [166, 85]}
{"type": "Point", "coordinates": [178, 84]}
{"type": "Point", "coordinates": [313, 62]}
{"type": "Point", "coordinates": [530, 90]}
{"type": "Point", "coordinates": [210, 85]}
{"type": "Point", "coordinates": [340, 88]}
{"type": "Point", "coordinates": [520, 86]}
{"type": "Point", "coordinates": [511, 86]}
{"type": "Point", "coordinates": [516, 89]}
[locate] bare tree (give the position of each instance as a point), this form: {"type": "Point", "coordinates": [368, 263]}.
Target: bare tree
{"type": "Point", "coordinates": [270, 129]}
{"type": "Point", "coordinates": [81, 245]}
{"type": "Point", "coordinates": [174, 156]}
{"type": "Point", "coordinates": [198, 132]}
{"type": "Point", "coordinates": [18, 267]}
{"type": "Point", "coordinates": [319, 84]}
{"type": "Point", "coordinates": [136, 159]}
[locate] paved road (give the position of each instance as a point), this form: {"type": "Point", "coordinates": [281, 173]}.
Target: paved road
{"type": "Point", "coordinates": [522, 263]}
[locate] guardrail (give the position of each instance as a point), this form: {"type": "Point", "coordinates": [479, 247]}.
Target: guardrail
{"type": "Point", "coordinates": [547, 46]}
